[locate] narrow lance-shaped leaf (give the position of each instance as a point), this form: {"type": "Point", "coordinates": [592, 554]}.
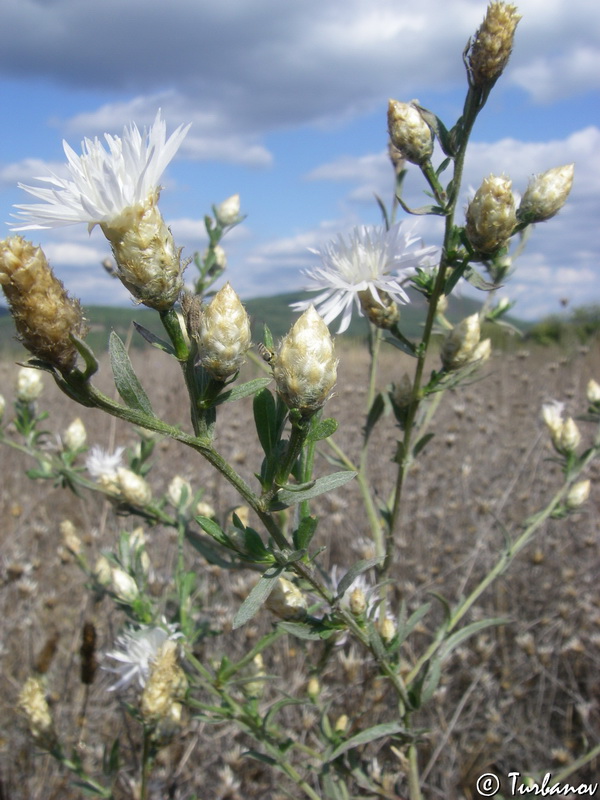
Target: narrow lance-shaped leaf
{"type": "Point", "coordinates": [327, 483]}
{"type": "Point", "coordinates": [257, 597]}
{"type": "Point", "coordinates": [366, 736]}
{"type": "Point", "coordinates": [126, 381]}
{"type": "Point", "coordinates": [354, 571]}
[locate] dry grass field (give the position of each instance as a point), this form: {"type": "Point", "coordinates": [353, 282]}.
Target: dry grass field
{"type": "Point", "coordinates": [521, 697]}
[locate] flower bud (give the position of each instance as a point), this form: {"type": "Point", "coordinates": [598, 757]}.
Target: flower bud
{"type": "Point", "coordinates": [592, 392]}
{"type": "Point", "coordinates": [228, 212]}
{"type": "Point", "coordinates": [489, 51]}
{"type": "Point", "coordinates": [482, 352]}
{"type": "Point", "coordinates": [358, 601]}
{"type": "Point", "coordinates": [546, 194]}
{"type": "Point", "coordinates": [578, 494]}
{"type": "Point", "coordinates": [204, 509]}
{"type": "Point", "coordinates": [29, 384]}
{"type": "Point", "coordinates": [103, 571]}
{"type": "Point", "coordinates": [569, 438]}
{"type": "Point", "coordinates": [383, 313]}
{"type": "Point", "coordinates": [75, 436]}
{"type": "Point", "coordinates": [387, 629]}
{"type": "Point", "coordinates": [491, 216]}
{"type": "Point", "coordinates": [304, 368]}
{"type": "Point", "coordinates": [341, 724]}
{"type": "Point", "coordinates": [179, 492]}
{"type": "Point", "coordinates": [552, 417]}
{"type": "Point", "coordinates": [2, 406]}
{"type": "Point", "coordinates": [70, 538]}
{"type": "Point", "coordinates": [460, 344]}
{"type": "Point", "coordinates": [134, 488]}
{"type": "Point", "coordinates": [45, 316]}
{"type": "Point", "coordinates": [286, 600]}
{"type": "Point", "coordinates": [224, 336]}
{"type": "Point", "coordinates": [313, 688]}
{"type": "Point", "coordinates": [409, 133]}
{"type": "Point", "coordinates": [148, 263]}
{"type": "Point", "coordinates": [124, 585]}
{"type": "Point", "coordinates": [166, 684]}
{"type": "Point", "coordinates": [33, 704]}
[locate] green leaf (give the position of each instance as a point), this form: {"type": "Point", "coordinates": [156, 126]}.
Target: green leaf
{"type": "Point", "coordinates": [254, 545]}
{"type": "Point", "coordinates": [431, 681]}
{"type": "Point", "coordinates": [242, 390]}
{"type": "Point", "coordinates": [302, 630]}
{"type": "Point", "coordinates": [354, 571]}
{"type": "Point", "coordinates": [421, 444]}
{"type": "Point", "coordinates": [268, 337]}
{"type": "Point", "coordinates": [257, 597]}
{"type": "Point", "coordinates": [327, 483]}
{"type": "Point", "coordinates": [322, 429]}
{"type": "Point", "coordinates": [154, 340]}
{"type": "Point", "coordinates": [265, 419]}
{"type": "Point", "coordinates": [375, 412]}
{"type": "Point", "coordinates": [261, 757]}
{"type": "Point", "coordinates": [304, 532]}
{"type": "Point", "coordinates": [366, 736]}
{"type": "Point", "coordinates": [453, 641]}
{"type": "Point", "coordinates": [126, 380]}
{"type": "Point", "coordinates": [405, 629]}
{"type": "Point", "coordinates": [384, 213]}
{"type": "Point", "coordinates": [214, 529]}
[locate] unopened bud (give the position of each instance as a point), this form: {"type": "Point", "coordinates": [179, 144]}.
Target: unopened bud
{"type": "Point", "coordinates": [491, 216]}
{"type": "Point", "coordinates": [490, 49]}
{"type": "Point", "coordinates": [124, 585]}
{"type": "Point", "coordinates": [224, 334]}
{"type": "Point", "coordinates": [45, 316]}
{"type": "Point", "coordinates": [286, 600]}
{"type": "Point", "coordinates": [341, 724]}
{"type": "Point", "coordinates": [70, 538]}
{"type": "Point", "coordinates": [166, 684]}
{"type": "Point", "coordinates": [33, 704]}
{"type": "Point", "coordinates": [75, 436]}
{"type": "Point", "coordinates": [593, 392]}
{"type": "Point", "coordinates": [569, 438]}
{"type": "Point", "coordinates": [313, 688]}
{"type": "Point", "coordinates": [552, 416]}
{"type": "Point", "coordinates": [179, 492]}
{"type": "Point", "coordinates": [304, 368]}
{"type": "Point", "coordinates": [29, 384]}
{"type": "Point", "coordinates": [358, 601]}
{"type": "Point", "coordinates": [578, 494]}
{"type": "Point", "coordinates": [383, 313]}
{"type": "Point", "coordinates": [387, 629]}
{"type": "Point", "coordinates": [134, 488]}
{"type": "Point", "coordinates": [460, 343]}
{"type": "Point", "coordinates": [546, 194]}
{"type": "Point", "coordinates": [2, 406]}
{"type": "Point", "coordinates": [256, 687]}
{"type": "Point", "coordinates": [148, 263]}
{"type": "Point", "coordinates": [409, 133]}
{"type": "Point", "coordinates": [228, 212]}
{"type": "Point", "coordinates": [482, 352]}
{"type": "Point", "coordinates": [204, 509]}
{"type": "Point", "coordinates": [103, 571]}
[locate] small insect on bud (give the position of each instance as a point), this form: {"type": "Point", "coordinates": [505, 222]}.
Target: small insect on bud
{"type": "Point", "coordinates": [460, 344]}
{"type": "Point", "coordinates": [593, 392]}
{"type": "Point", "coordinates": [546, 194]}
{"type": "Point", "coordinates": [133, 488]}
{"type": "Point", "coordinates": [45, 316]}
{"type": "Point", "coordinates": [491, 216]}
{"type": "Point", "coordinates": [29, 384]}
{"type": "Point", "coordinates": [488, 52]}
{"type": "Point", "coordinates": [304, 368]}
{"type": "Point", "coordinates": [286, 600]}
{"type": "Point", "coordinates": [74, 438]}
{"type": "Point", "coordinates": [578, 494]}
{"type": "Point", "coordinates": [224, 336]}
{"type": "Point", "coordinates": [228, 212]}
{"type": "Point", "coordinates": [409, 133]}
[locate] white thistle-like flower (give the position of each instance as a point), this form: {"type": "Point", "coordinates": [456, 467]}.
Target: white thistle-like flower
{"type": "Point", "coordinates": [135, 653]}
{"type": "Point", "coordinates": [371, 260]}
{"type": "Point", "coordinates": [103, 183]}
{"type": "Point", "coordinates": [102, 464]}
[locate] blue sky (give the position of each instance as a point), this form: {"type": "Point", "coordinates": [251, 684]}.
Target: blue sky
{"type": "Point", "coordinates": [288, 107]}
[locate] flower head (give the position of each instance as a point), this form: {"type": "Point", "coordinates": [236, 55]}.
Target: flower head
{"type": "Point", "coordinates": [135, 653]}
{"type": "Point", "coordinates": [103, 183]}
{"type": "Point", "coordinates": [370, 260]}
{"type": "Point", "coordinates": [102, 464]}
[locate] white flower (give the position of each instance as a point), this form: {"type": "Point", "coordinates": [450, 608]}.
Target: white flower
{"type": "Point", "coordinates": [103, 183]}
{"type": "Point", "coordinates": [135, 653]}
{"type": "Point", "coordinates": [370, 259]}
{"type": "Point", "coordinates": [29, 384]}
{"type": "Point", "coordinates": [102, 463]}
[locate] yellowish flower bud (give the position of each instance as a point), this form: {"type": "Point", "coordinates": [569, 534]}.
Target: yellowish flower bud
{"type": "Point", "coordinates": [133, 488]}
{"type": "Point", "coordinates": [32, 702]}
{"type": "Point", "coordinates": [358, 601]}
{"type": "Point", "coordinates": [75, 436]}
{"type": "Point", "coordinates": [204, 509]}
{"type": "Point", "coordinates": [592, 392]}
{"type": "Point", "coordinates": [45, 316]}
{"type": "Point", "coordinates": [383, 313]}
{"type": "Point", "coordinates": [546, 194]}
{"type": "Point", "coordinates": [29, 384]}
{"type": "Point", "coordinates": [286, 600]}
{"type": "Point", "coordinates": [304, 368]}
{"type": "Point", "coordinates": [409, 133]}
{"type": "Point", "coordinates": [313, 689]}
{"type": "Point", "coordinates": [578, 494]}
{"type": "Point", "coordinates": [179, 491]}
{"type": "Point", "coordinates": [103, 571]}
{"type": "Point", "coordinates": [569, 437]}
{"type": "Point", "coordinates": [2, 406]}
{"type": "Point", "coordinates": [70, 538]}
{"type": "Point", "coordinates": [148, 263]}
{"type": "Point", "coordinates": [228, 212]}
{"type": "Point", "coordinates": [483, 351]}
{"type": "Point", "coordinates": [166, 684]}
{"type": "Point", "coordinates": [224, 336]}
{"type": "Point", "coordinates": [552, 416]}
{"type": "Point", "coordinates": [219, 255]}
{"type": "Point", "coordinates": [341, 723]}
{"type": "Point", "coordinates": [387, 629]}
{"type": "Point", "coordinates": [123, 585]}
{"type": "Point", "coordinates": [255, 688]}
{"type": "Point", "coordinates": [491, 216]}
{"type": "Point", "coordinates": [460, 343]}
{"type": "Point", "coordinates": [489, 51]}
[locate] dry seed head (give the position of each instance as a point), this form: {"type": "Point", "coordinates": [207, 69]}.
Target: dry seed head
{"type": "Point", "coordinates": [409, 133]}
{"type": "Point", "coordinates": [228, 212]}
{"type": "Point", "coordinates": [578, 494]}
{"type": "Point", "coordinates": [489, 51]}
{"type": "Point", "coordinates": [133, 488]}
{"type": "Point", "coordinates": [546, 194]}
{"type": "Point", "coordinates": [224, 336]}
{"type": "Point", "coordinates": [286, 600]}
{"type": "Point", "coordinates": [305, 368]}
{"type": "Point", "coordinates": [148, 263]}
{"type": "Point", "coordinates": [491, 216]}
{"type": "Point", "coordinates": [75, 436]}
{"type": "Point", "coordinates": [44, 314]}
{"type": "Point", "coordinates": [592, 392]}
{"type": "Point", "coordinates": [29, 384]}
{"type": "Point", "coordinates": [33, 703]}
{"type": "Point", "coordinates": [166, 684]}
{"type": "Point", "coordinates": [460, 343]}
